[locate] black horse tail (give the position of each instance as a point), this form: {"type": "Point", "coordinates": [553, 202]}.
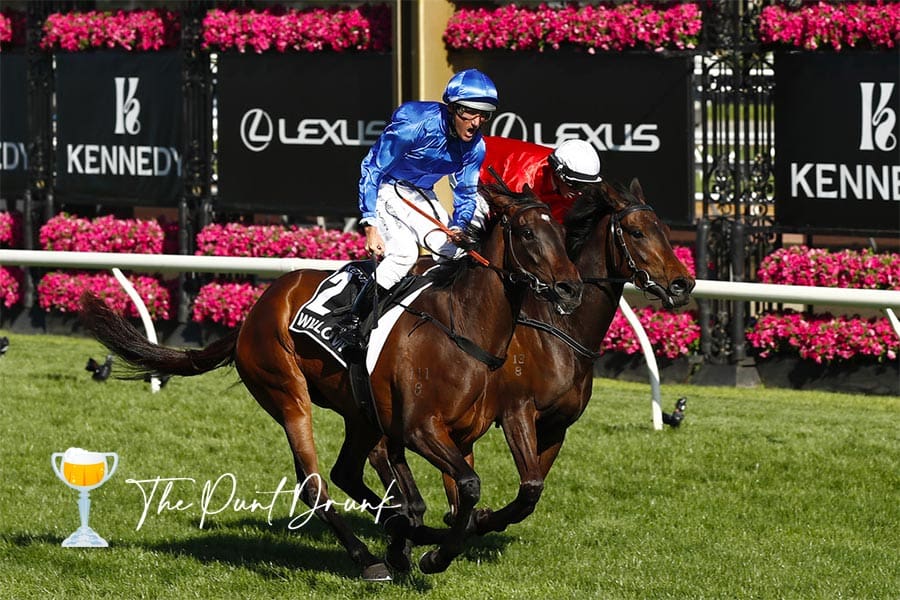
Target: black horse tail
{"type": "Point", "coordinates": [144, 357]}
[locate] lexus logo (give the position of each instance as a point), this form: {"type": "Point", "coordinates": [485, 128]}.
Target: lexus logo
{"type": "Point", "coordinates": [510, 125]}
{"type": "Point", "coordinates": [256, 130]}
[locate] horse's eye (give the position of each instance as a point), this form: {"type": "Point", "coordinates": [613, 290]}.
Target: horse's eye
{"type": "Point", "coordinates": [636, 233]}
{"type": "Point", "coordinates": [527, 234]}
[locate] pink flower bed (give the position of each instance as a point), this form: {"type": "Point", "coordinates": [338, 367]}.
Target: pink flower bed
{"type": "Point", "coordinates": [9, 286]}
{"type": "Point", "coordinates": [824, 338]}
{"type": "Point", "coordinates": [10, 229]}
{"type": "Point", "coordinates": [799, 265]}
{"type": "Point", "coordinates": [312, 30]}
{"type": "Point", "coordinates": [141, 30]}
{"type": "Point", "coordinates": [70, 233]}
{"type": "Point", "coordinates": [671, 334]}
{"type": "Point", "coordinates": [61, 291]}
{"type": "Point", "coordinates": [12, 28]}
{"type": "Point", "coordinates": [225, 303]}
{"type": "Point", "coordinates": [820, 25]}
{"type": "Point", "coordinates": [620, 27]}
{"type": "Point", "coordinates": [10, 277]}
{"type": "Point", "coordinates": [234, 239]}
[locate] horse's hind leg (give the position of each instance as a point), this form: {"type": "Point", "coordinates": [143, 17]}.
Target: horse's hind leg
{"type": "Point", "coordinates": [361, 440]}
{"type": "Point", "coordinates": [290, 404]}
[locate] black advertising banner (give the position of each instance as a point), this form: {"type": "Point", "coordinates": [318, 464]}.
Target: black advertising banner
{"type": "Point", "coordinates": [837, 159]}
{"type": "Point", "coordinates": [13, 125]}
{"type": "Point", "coordinates": [119, 127]}
{"type": "Point", "coordinates": [293, 129]}
{"type": "Point", "coordinates": [634, 108]}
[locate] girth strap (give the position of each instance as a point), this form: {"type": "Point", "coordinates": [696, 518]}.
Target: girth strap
{"type": "Point", "coordinates": [465, 344]}
{"type": "Point", "coordinates": [572, 342]}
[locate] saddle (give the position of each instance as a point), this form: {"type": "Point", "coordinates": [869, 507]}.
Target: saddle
{"type": "Point", "coordinates": [321, 318]}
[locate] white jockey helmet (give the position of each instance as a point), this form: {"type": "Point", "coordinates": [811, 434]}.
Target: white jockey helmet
{"type": "Point", "coordinates": [473, 89]}
{"type": "Point", "coordinates": [576, 161]}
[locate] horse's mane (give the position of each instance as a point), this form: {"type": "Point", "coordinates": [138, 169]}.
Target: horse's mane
{"type": "Point", "coordinates": [447, 271]}
{"type": "Point", "coordinates": [591, 206]}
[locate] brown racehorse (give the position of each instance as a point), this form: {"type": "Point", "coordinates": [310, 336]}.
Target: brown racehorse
{"type": "Point", "coordinates": [614, 237]}
{"type": "Point", "coordinates": [429, 392]}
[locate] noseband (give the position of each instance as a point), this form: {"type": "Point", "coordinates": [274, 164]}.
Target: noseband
{"type": "Point", "coordinates": [521, 275]}
{"type": "Point", "coordinates": [641, 277]}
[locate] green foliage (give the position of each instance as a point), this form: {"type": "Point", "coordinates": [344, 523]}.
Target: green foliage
{"type": "Point", "coordinates": [759, 494]}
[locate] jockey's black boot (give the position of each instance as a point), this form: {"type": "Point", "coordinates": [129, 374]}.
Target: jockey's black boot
{"type": "Point", "coordinates": [353, 340]}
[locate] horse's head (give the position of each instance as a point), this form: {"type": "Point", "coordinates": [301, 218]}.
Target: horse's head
{"type": "Point", "coordinates": [636, 241]}
{"type": "Point", "coordinates": [531, 246]}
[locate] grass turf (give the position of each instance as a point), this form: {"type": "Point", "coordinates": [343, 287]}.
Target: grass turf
{"type": "Point", "coordinates": [760, 494]}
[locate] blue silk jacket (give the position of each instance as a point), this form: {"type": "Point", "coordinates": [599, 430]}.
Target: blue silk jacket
{"type": "Point", "coordinates": [417, 146]}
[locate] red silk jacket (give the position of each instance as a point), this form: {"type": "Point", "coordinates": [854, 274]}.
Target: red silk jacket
{"type": "Point", "coordinates": [519, 163]}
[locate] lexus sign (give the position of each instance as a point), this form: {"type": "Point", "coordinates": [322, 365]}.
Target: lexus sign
{"type": "Point", "coordinates": [294, 128]}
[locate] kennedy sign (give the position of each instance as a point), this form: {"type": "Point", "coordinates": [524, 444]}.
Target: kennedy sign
{"type": "Point", "coordinates": [837, 153]}
{"type": "Point", "coordinates": [13, 126]}
{"type": "Point", "coordinates": [119, 127]}
{"type": "Point", "coordinates": [635, 109]}
{"type": "Point", "coordinates": [293, 129]}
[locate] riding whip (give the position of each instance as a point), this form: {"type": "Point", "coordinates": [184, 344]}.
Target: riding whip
{"type": "Point", "coordinates": [446, 230]}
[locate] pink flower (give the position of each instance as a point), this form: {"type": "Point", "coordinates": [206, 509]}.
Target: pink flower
{"type": "Point", "coordinates": [823, 338]}
{"type": "Point", "coordinates": [10, 279]}
{"type": "Point", "coordinates": [225, 303]}
{"type": "Point", "coordinates": [141, 30]}
{"type": "Point", "coordinates": [10, 229]}
{"type": "Point", "coordinates": [825, 25]}
{"type": "Point", "coordinates": [592, 27]}
{"type": "Point", "coordinates": [234, 239]}
{"type": "Point", "coordinates": [671, 334]}
{"type": "Point", "coordinates": [310, 30]}
{"type": "Point", "coordinates": [61, 291]}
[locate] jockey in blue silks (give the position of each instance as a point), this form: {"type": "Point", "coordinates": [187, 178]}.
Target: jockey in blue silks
{"type": "Point", "coordinates": [423, 142]}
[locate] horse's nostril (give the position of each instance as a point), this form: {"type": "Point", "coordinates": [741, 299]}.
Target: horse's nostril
{"type": "Point", "coordinates": [569, 289]}
{"type": "Point", "coordinates": [680, 287]}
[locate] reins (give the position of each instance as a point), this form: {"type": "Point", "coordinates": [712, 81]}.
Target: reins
{"type": "Point", "coordinates": [618, 236]}
{"type": "Point", "coordinates": [519, 276]}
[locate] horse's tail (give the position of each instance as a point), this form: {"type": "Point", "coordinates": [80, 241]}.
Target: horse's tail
{"type": "Point", "coordinates": [144, 357]}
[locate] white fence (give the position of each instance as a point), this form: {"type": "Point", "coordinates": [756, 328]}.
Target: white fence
{"type": "Point", "coordinates": [886, 300]}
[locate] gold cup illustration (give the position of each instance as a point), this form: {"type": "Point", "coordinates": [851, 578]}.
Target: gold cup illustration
{"type": "Point", "coordinates": [83, 470]}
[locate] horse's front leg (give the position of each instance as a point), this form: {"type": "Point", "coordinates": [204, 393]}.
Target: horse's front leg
{"type": "Point", "coordinates": [534, 455]}
{"type": "Point", "coordinates": [433, 442]}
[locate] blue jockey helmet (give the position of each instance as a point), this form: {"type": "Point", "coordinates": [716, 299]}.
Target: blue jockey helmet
{"type": "Point", "coordinates": [473, 89]}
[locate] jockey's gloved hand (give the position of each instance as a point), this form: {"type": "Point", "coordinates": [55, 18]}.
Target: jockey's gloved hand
{"type": "Point", "coordinates": [462, 239]}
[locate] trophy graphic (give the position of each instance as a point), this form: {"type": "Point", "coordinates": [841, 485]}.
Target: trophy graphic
{"type": "Point", "coordinates": [83, 470]}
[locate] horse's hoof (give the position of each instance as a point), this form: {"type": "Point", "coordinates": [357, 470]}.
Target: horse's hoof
{"type": "Point", "coordinates": [481, 518]}
{"type": "Point", "coordinates": [397, 558]}
{"type": "Point", "coordinates": [376, 572]}
{"type": "Point", "coordinates": [397, 525]}
{"type": "Point", "coordinates": [431, 563]}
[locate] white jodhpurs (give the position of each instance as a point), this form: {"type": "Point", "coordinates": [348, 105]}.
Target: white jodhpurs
{"type": "Point", "coordinates": [404, 231]}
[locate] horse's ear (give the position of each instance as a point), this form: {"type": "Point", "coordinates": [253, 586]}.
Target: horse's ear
{"type": "Point", "coordinates": [495, 197]}
{"type": "Point", "coordinates": [636, 190]}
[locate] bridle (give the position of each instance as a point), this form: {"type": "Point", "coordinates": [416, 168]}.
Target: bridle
{"type": "Point", "coordinates": [641, 278]}
{"type": "Point", "coordinates": [521, 275]}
